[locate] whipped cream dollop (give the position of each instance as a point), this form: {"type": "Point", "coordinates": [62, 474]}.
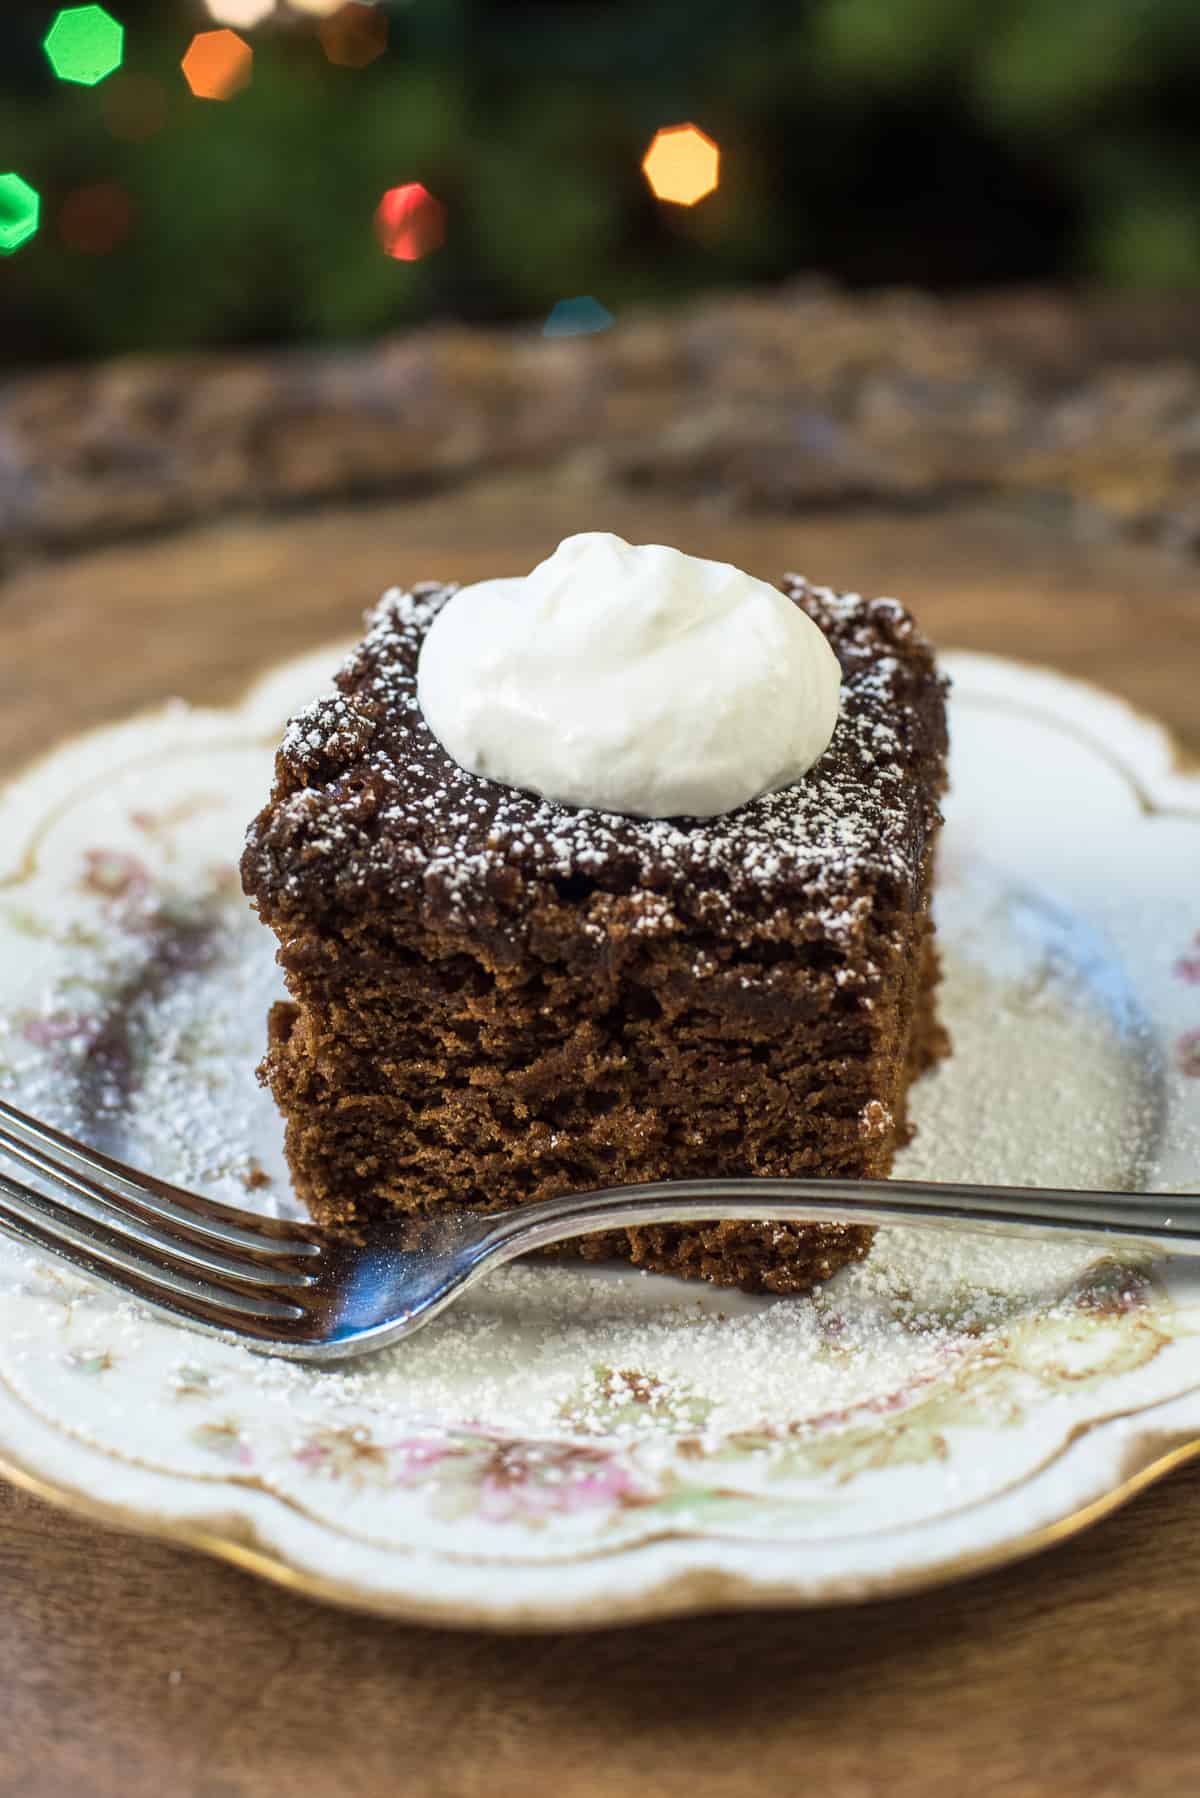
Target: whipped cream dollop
{"type": "Point", "coordinates": [630, 678]}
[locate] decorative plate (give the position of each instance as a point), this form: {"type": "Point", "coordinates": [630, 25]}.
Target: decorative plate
{"type": "Point", "coordinates": [565, 1447]}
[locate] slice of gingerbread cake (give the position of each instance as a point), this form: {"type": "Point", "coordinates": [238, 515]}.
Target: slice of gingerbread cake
{"type": "Point", "coordinates": [499, 995]}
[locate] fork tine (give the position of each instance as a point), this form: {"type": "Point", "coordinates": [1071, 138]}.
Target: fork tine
{"type": "Point", "coordinates": [123, 1191]}
{"type": "Point", "coordinates": [226, 1224]}
{"type": "Point", "coordinates": [41, 1221]}
{"type": "Point", "coordinates": [88, 1200]}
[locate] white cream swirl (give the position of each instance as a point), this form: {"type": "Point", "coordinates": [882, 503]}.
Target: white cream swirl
{"type": "Point", "coordinates": [630, 678]}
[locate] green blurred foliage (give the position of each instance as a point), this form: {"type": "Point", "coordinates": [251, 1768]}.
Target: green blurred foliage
{"type": "Point", "coordinates": [940, 141]}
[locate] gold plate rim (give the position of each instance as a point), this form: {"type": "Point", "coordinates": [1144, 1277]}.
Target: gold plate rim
{"type": "Point", "coordinates": [692, 1592]}
{"type": "Point", "coordinates": [1150, 1457]}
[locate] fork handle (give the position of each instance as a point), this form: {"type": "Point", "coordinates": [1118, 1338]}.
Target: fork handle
{"type": "Point", "coordinates": [1169, 1221]}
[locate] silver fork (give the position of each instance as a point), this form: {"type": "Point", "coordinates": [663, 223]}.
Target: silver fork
{"type": "Point", "coordinates": [300, 1291]}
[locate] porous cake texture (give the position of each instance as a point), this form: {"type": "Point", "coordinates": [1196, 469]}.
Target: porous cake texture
{"type": "Point", "coordinates": [496, 999]}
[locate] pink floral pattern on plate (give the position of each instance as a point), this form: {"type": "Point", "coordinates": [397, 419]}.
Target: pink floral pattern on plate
{"type": "Point", "coordinates": [561, 1421]}
{"type": "Point", "coordinates": [1187, 1047]}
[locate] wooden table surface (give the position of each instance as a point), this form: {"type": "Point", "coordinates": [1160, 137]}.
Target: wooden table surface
{"type": "Point", "coordinates": [129, 1667]}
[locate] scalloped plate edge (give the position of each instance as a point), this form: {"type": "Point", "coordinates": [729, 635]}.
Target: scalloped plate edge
{"type": "Point", "coordinates": [1108, 1463]}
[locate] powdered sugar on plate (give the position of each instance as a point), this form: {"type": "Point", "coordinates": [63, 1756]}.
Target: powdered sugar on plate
{"type": "Point", "coordinates": [176, 987]}
{"type": "Point", "coordinates": [558, 1411]}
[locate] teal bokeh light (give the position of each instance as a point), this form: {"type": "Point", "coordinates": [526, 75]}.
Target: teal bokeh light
{"type": "Point", "coordinates": [20, 209]}
{"type": "Point", "coordinates": [85, 44]}
{"type": "Point", "coordinates": [580, 317]}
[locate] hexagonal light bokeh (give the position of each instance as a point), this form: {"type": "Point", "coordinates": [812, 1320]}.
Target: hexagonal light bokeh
{"type": "Point", "coordinates": [578, 317]}
{"type": "Point", "coordinates": [96, 219]}
{"type": "Point", "coordinates": [246, 13]}
{"type": "Point", "coordinates": [409, 222]}
{"type": "Point", "coordinates": [20, 210]}
{"type": "Point", "coordinates": [682, 165]}
{"type": "Point", "coordinates": [217, 65]}
{"type": "Point", "coordinates": [84, 44]}
{"type": "Point", "coordinates": [136, 107]}
{"type": "Point", "coordinates": [355, 35]}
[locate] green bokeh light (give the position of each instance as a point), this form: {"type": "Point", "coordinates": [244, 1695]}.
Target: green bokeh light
{"type": "Point", "coordinates": [20, 208]}
{"type": "Point", "coordinates": [85, 44]}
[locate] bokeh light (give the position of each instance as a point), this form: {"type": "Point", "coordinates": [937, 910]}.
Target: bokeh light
{"type": "Point", "coordinates": [246, 13]}
{"type": "Point", "coordinates": [96, 219]}
{"type": "Point", "coordinates": [682, 165]}
{"type": "Point", "coordinates": [317, 9]}
{"type": "Point", "coordinates": [85, 44]}
{"type": "Point", "coordinates": [579, 317]}
{"type": "Point", "coordinates": [355, 35]}
{"type": "Point", "coordinates": [218, 64]}
{"type": "Point", "coordinates": [135, 107]}
{"type": "Point", "coordinates": [20, 207]}
{"type": "Point", "coordinates": [409, 222]}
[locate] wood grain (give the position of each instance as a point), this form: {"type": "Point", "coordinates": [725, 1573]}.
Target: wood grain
{"type": "Point", "coordinates": [1074, 1676]}
{"type": "Point", "coordinates": [133, 1668]}
{"type": "Point", "coordinates": [92, 637]}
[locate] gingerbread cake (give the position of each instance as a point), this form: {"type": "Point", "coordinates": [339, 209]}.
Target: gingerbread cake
{"type": "Point", "coordinates": [496, 998]}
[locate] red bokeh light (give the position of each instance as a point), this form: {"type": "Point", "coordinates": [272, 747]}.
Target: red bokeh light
{"type": "Point", "coordinates": [355, 36]}
{"type": "Point", "coordinates": [218, 64]}
{"type": "Point", "coordinates": [409, 222]}
{"type": "Point", "coordinates": [96, 219]}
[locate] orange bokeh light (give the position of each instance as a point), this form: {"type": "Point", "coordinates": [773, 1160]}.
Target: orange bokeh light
{"type": "Point", "coordinates": [354, 36]}
{"type": "Point", "coordinates": [682, 165]}
{"type": "Point", "coordinates": [96, 219]}
{"type": "Point", "coordinates": [409, 222]}
{"type": "Point", "coordinates": [217, 65]}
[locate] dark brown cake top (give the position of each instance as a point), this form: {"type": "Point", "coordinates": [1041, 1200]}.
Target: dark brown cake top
{"type": "Point", "coordinates": [369, 808]}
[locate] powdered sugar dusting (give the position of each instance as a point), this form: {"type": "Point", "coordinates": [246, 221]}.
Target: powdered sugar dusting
{"type": "Point", "coordinates": [1038, 1022]}
{"type": "Point", "coordinates": [369, 799]}
{"type": "Point", "coordinates": [1042, 1027]}
{"type": "Point", "coordinates": [558, 1416]}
